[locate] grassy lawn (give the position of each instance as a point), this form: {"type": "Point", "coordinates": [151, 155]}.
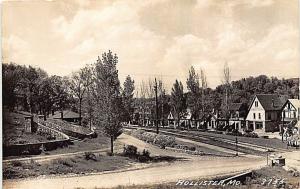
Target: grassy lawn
{"type": "Point", "coordinates": [271, 143]}
{"type": "Point", "coordinates": [101, 142]}
{"type": "Point", "coordinates": [13, 130]}
{"type": "Point", "coordinates": [257, 181]}
{"type": "Point", "coordinates": [77, 165]}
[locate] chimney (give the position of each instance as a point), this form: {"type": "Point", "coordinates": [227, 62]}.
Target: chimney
{"type": "Point", "coordinates": [62, 114]}
{"type": "Point", "coordinates": [273, 105]}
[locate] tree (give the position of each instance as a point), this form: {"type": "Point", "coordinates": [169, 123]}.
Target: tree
{"type": "Point", "coordinates": [127, 95]}
{"type": "Point", "coordinates": [78, 86]}
{"type": "Point", "coordinates": [193, 99]}
{"type": "Point", "coordinates": [143, 99]}
{"type": "Point", "coordinates": [226, 82]}
{"type": "Point", "coordinates": [163, 100]}
{"type": "Point", "coordinates": [178, 100]}
{"type": "Point", "coordinates": [10, 82]}
{"type": "Point", "coordinates": [109, 106]}
{"type": "Point", "coordinates": [203, 90]}
{"type": "Point", "coordinates": [60, 90]}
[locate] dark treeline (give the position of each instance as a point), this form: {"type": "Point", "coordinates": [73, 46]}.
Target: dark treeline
{"type": "Point", "coordinates": [32, 89]}
{"type": "Point", "coordinates": [202, 100]}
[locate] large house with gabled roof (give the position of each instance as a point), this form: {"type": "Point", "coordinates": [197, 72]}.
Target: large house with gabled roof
{"type": "Point", "coordinates": [264, 113]}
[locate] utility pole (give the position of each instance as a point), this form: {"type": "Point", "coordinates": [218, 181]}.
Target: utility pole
{"type": "Point", "coordinates": [156, 107]}
{"type": "Point", "coordinates": [236, 142]}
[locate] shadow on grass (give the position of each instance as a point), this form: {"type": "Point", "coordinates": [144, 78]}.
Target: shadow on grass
{"type": "Point", "coordinates": [157, 159]}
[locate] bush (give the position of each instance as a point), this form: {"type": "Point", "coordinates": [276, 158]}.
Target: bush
{"type": "Point", "coordinates": [146, 153]}
{"type": "Point", "coordinates": [164, 140]}
{"type": "Point", "coordinates": [130, 151]}
{"type": "Point", "coordinates": [149, 137]}
{"type": "Point", "coordinates": [90, 156]}
{"type": "Point", "coordinates": [251, 134]}
{"type": "Point", "coordinates": [144, 157]}
{"type": "Point", "coordinates": [16, 163]}
{"type": "Point", "coordinates": [192, 148]}
{"type": "Point", "coordinates": [138, 133]}
{"type": "Point", "coordinates": [65, 162]}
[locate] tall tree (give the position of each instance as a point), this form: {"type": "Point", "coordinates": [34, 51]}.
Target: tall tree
{"type": "Point", "coordinates": [203, 90]}
{"type": "Point", "coordinates": [193, 99]}
{"type": "Point", "coordinates": [78, 86]}
{"type": "Point", "coordinates": [143, 98]}
{"type": "Point", "coordinates": [127, 95]}
{"type": "Point", "coordinates": [108, 91]}
{"type": "Point", "coordinates": [10, 81]}
{"type": "Point", "coordinates": [178, 100]}
{"type": "Point", "coordinates": [226, 82]}
{"type": "Point", "coordinates": [61, 95]}
{"type": "Point", "coordinates": [163, 100]}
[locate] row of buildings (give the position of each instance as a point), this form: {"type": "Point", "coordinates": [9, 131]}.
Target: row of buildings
{"type": "Point", "coordinates": [266, 113]}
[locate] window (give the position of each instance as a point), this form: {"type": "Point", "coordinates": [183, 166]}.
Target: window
{"type": "Point", "coordinates": [259, 116]}
{"type": "Point", "coordinates": [269, 116]}
{"type": "Point", "coordinates": [253, 115]}
{"type": "Point", "coordinates": [259, 125]}
{"type": "Point", "coordinates": [294, 114]}
{"type": "Point", "coordinates": [256, 104]}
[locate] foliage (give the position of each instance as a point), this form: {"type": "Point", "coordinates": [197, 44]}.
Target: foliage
{"type": "Point", "coordinates": [90, 156]}
{"type": "Point", "coordinates": [108, 94]}
{"type": "Point", "coordinates": [178, 100]}
{"type": "Point", "coordinates": [153, 138]}
{"type": "Point", "coordinates": [127, 95]}
{"type": "Point", "coordinates": [130, 151]}
{"type": "Point", "coordinates": [164, 141]}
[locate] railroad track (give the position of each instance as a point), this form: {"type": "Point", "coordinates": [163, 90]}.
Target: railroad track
{"type": "Point", "coordinates": [243, 147]}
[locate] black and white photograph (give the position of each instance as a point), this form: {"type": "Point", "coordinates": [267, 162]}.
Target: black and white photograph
{"type": "Point", "coordinates": [150, 94]}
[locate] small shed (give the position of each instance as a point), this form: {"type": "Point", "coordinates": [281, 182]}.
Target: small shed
{"type": "Point", "coordinates": [67, 115]}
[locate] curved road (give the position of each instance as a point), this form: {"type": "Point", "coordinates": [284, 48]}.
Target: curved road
{"type": "Point", "coordinates": [167, 173]}
{"type": "Point", "coordinates": [193, 167]}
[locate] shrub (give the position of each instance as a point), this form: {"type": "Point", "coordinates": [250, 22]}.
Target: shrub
{"type": "Point", "coordinates": [149, 137]}
{"type": "Point", "coordinates": [90, 156]}
{"type": "Point", "coordinates": [251, 134]}
{"type": "Point", "coordinates": [16, 163]}
{"type": "Point", "coordinates": [144, 157]}
{"type": "Point", "coordinates": [137, 133]}
{"type": "Point", "coordinates": [146, 153]}
{"type": "Point", "coordinates": [192, 148]}
{"type": "Point", "coordinates": [65, 162]}
{"type": "Point", "coordinates": [130, 151]}
{"type": "Point", "coordinates": [164, 140]}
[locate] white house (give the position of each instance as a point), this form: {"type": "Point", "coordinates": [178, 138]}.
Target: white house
{"type": "Point", "coordinates": [291, 110]}
{"type": "Point", "coordinates": [185, 120]}
{"type": "Point", "coordinates": [265, 112]}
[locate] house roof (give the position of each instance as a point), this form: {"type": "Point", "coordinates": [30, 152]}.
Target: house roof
{"type": "Point", "coordinates": [67, 114]}
{"type": "Point", "coordinates": [271, 101]}
{"type": "Point", "coordinates": [295, 102]}
{"type": "Point", "coordinates": [235, 106]}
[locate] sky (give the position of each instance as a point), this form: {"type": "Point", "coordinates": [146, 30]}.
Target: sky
{"type": "Point", "coordinates": [157, 38]}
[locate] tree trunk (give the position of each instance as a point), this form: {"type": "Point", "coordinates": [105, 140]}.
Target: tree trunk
{"type": "Point", "coordinates": [112, 145]}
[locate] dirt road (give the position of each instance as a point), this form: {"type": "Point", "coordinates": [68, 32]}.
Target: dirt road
{"type": "Point", "coordinates": [168, 173]}
{"type": "Point", "coordinates": [192, 167]}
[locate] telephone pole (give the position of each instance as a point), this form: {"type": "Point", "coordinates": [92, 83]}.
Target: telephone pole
{"type": "Point", "coordinates": [156, 108]}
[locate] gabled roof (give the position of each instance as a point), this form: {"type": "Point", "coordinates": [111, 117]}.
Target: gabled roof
{"type": "Point", "coordinates": [295, 102]}
{"type": "Point", "coordinates": [271, 101]}
{"type": "Point", "coordinates": [67, 114]}
{"type": "Point", "coordinates": [235, 106]}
